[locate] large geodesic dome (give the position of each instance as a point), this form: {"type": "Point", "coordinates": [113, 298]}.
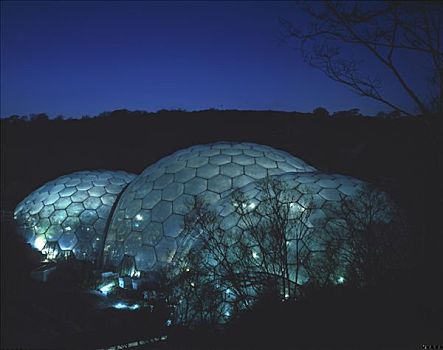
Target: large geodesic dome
{"type": "Point", "coordinates": [70, 213]}
{"type": "Point", "coordinates": [148, 221]}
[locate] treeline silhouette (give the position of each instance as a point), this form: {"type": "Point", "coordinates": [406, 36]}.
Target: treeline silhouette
{"type": "Point", "coordinates": [399, 155]}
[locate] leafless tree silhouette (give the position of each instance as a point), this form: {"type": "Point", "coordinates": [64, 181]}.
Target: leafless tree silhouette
{"type": "Point", "coordinates": [388, 31]}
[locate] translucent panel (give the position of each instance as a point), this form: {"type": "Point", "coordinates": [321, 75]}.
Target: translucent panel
{"type": "Point", "coordinates": [42, 226]}
{"type": "Point", "coordinates": [255, 171]}
{"type": "Point", "coordinates": [243, 159]}
{"type": "Point", "coordinates": [92, 203]}
{"type": "Point", "coordinates": [52, 198]}
{"type": "Point", "coordinates": [241, 181]}
{"type": "Point", "coordinates": [75, 209]}
{"type": "Point", "coordinates": [153, 233]}
{"type": "Point", "coordinates": [163, 181]}
{"type": "Point", "coordinates": [197, 162]}
{"type": "Point", "coordinates": [232, 151]}
{"type": "Point", "coordinates": [62, 203]}
{"type": "Point", "coordinates": [209, 197]}
{"type": "Point", "coordinates": [68, 191]}
{"type": "Point", "coordinates": [253, 153]}
{"type": "Point", "coordinates": [79, 196]}
{"type": "Point", "coordinates": [151, 199]}
{"type": "Point", "coordinates": [71, 223]}
{"type": "Point", "coordinates": [207, 171]}
{"type": "Point", "coordinates": [54, 232]}
{"type": "Point", "coordinates": [174, 190]}
{"type": "Point", "coordinates": [145, 258]}
{"type": "Point", "coordinates": [220, 159]}
{"type": "Point", "coordinates": [88, 217]}
{"type": "Point", "coordinates": [84, 185]}
{"type": "Point", "coordinates": [173, 226]}
{"type": "Point", "coordinates": [231, 170]}
{"type": "Point", "coordinates": [195, 186]}
{"type": "Point", "coordinates": [265, 162]}
{"type": "Point", "coordinates": [346, 189]}
{"type": "Point", "coordinates": [113, 189]}
{"type": "Point", "coordinates": [97, 191]}
{"type": "Point", "coordinates": [85, 232]}
{"type": "Point", "coordinates": [68, 241]}
{"type": "Point", "coordinates": [58, 216]}
{"type": "Point", "coordinates": [161, 211]}
{"type": "Point", "coordinates": [175, 167]}
{"type": "Point", "coordinates": [330, 194]}
{"type": "Point", "coordinates": [327, 183]}
{"type": "Point", "coordinates": [185, 175]}
{"type": "Point", "coordinates": [275, 156]}
{"type": "Point", "coordinates": [132, 244]}
{"type": "Point", "coordinates": [165, 250]}
{"type": "Point", "coordinates": [108, 199]}
{"type": "Point", "coordinates": [133, 208]}
{"type": "Point", "coordinates": [219, 183]}
{"type": "Point", "coordinates": [35, 208]}
{"type": "Point", "coordinates": [73, 182]}
{"type": "Point", "coordinates": [183, 204]}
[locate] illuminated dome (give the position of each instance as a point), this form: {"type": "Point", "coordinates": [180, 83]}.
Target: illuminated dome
{"type": "Point", "coordinates": [291, 220]}
{"type": "Point", "coordinates": [310, 202]}
{"type": "Point", "coordinates": [70, 213]}
{"type": "Point", "coordinates": [148, 221]}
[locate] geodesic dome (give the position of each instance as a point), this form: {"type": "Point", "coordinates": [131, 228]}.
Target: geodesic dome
{"type": "Point", "coordinates": [148, 221]}
{"type": "Point", "coordinates": [308, 198]}
{"type": "Point", "coordinates": [291, 220]}
{"type": "Point", "coordinates": [70, 213]}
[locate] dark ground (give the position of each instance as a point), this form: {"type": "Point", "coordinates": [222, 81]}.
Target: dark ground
{"type": "Point", "coordinates": [401, 156]}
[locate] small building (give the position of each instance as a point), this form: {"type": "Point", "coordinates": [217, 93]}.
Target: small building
{"type": "Point", "coordinates": [43, 272]}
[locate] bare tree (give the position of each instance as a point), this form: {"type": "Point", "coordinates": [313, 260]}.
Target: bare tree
{"type": "Point", "coordinates": [388, 31]}
{"type": "Point", "coordinates": [236, 265]}
{"type": "Point", "coordinates": [370, 235]}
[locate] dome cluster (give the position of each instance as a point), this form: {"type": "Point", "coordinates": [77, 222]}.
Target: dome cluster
{"type": "Point", "coordinates": [115, 216]}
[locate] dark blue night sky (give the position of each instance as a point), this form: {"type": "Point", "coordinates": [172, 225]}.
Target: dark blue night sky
{"type": "Point", "coordinates": [83, 58]}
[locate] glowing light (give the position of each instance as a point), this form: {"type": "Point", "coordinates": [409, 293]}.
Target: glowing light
{"type": "Point", "coordinates": [340, 279]}
{"type": "Point", "coordinates": [168, 323]}
{"type": "Point", "coordinates": [121, 305]}
{"type": "Point", "coordinates": [68, 228]}
{"type": "Point", "coordinates": [192, 284]}
{"type": "Point", "coordinates": [39, 242]}
{"type": "Point", "coordinates": [286, 296]}
{"type": "Point", "coordinates": [187, 269]}
{"type": "Point", "coordinates": [139, 217]}
{"type": "Point", "coordinates": [255, 255]}
{"type": "Point", "coordinates": [107, 288]}
{"type": "Point", "coordinates": [227, 314]}
{"type": "Point", "coordinates": [252, 205]}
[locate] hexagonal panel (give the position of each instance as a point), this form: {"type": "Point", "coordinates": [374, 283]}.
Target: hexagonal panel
{"type": "Point", "coordinates": [174, 190]}
{"type": "Point", "coordinates": [231, 169]}
{"type": "Point", "coordinates": [219, 183]}
{"type": "Point", "coordinates": [161, 211]}
{"type": "Point", "coordinates": [195, 186]}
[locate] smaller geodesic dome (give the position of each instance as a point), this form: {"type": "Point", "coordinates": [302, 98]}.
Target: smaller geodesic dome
{"type": "Point", "coordinates": [148, 220]}
{"type": "Point", "coordinates": [70, 213]}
